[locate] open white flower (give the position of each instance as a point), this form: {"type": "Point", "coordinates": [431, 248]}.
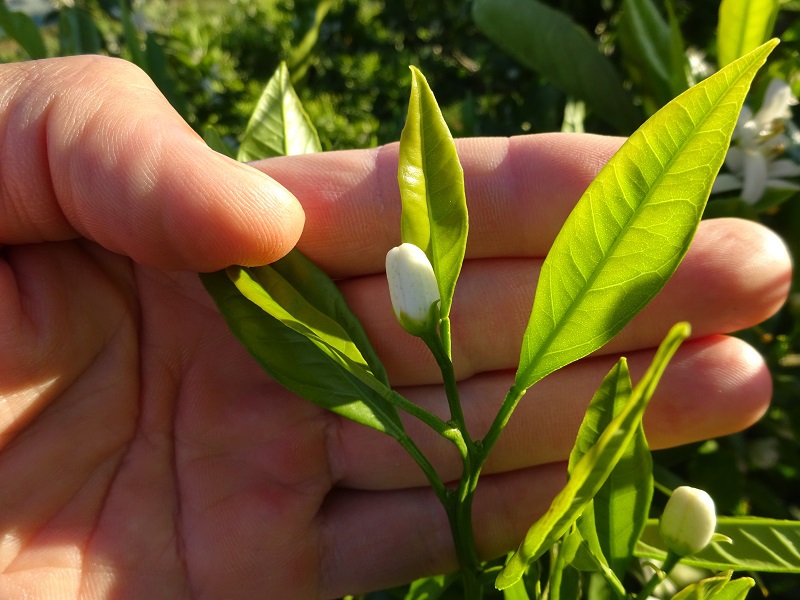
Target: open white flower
{"type": "Point", "coordinates": [758, 142]}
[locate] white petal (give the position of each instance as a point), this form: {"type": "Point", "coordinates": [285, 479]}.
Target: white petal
{"type": "Point", "coordinates": [745, 128]}
{"type": "Point", "coordinates": [784, 167]}
{"type": "Point", "coordinates": [782, 184]}
{"type": "Point", "coordinates": [725, 182]}
{"type": "Point", "coordinates": [777, 100]}
{"type": "Point", "coordinates": [755, 177]}
{"type": "Point", "coordinates": [734, 159]}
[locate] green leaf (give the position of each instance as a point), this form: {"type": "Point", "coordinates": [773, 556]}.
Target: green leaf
{"type": "Point", "coordinates": [634, 223]}
{"type": "Point", "coordinates": [590, 472]}
{"type": "Point", "coordinates": [159, 71]}
{"type": "Point", "coordinates": [767, 545]}
{"type": "Point", "coordinates": [585, 557]}
{"type": "Point", "coordinates": [296, 325]}
{"type": "Point", "coordinates": [214, 141]}
{"type": "Point", "coordinates": [431, 182]}
{"type": "Point", "coordinates": [719, 587]}
{"type": "Point", "coordinates": [77, 32]}
{"type": "Point", "coordinates": [548, 42]}
{"type": "Point", "coordinates": [516, 592]}
{"type": "Point", "coordinates": [131, 35]}
{"type": "Point", "coordinates": [21, 28]}
{"type": "Point", "coordinates": [430, 588]}
{"type": "Point", "coordinates": [621, 506]}
{"type": "Point", "coordinates": [279, 126]}
{"type": "Point", "coordinates": [649, 52]}
{"type": "Point", "coordinates": [743, 26]}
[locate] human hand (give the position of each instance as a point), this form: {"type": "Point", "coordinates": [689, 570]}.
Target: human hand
{"type": "Point", "coordinates": [143, 453]}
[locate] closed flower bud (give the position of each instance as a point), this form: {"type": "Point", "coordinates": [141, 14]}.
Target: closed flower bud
{"type": "Point", "coordinates": [688, 522]}
{"type": "Point", "coordinates": [413, 288]}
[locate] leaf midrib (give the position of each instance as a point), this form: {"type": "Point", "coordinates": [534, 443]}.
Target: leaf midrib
{"type": "Point", "coordinates": [537, 358]}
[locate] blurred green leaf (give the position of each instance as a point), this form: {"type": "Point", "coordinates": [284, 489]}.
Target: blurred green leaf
{"type": "Point", "coordinates": [431, 182]}
{"type": "Point", "coordinates": [652, 53]}
{"type": "Point", "coordinates": [761, 545]}
{"type": "Point", "coordinates": [132, 37]}
{"type": "Point", "coordinates": [430, 588]}
{"type": "Point", "coordinates": [21, 28]}
{"type": "Point", "coordinates": [634, 224]}
{"type": "Point", "coordinates": [743, 26]}
{"type": "Point", "coordinates": [592, 469]}
{"type": "Point", "coordinates": [547, 41]}
{"type": "Point", "coordinates": [279, 126]}
{"type": "Point", "coordinates": [78, 32]}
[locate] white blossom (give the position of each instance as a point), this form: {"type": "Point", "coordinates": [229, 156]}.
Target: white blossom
{"type": "Point", "coordinates": [758, 141]}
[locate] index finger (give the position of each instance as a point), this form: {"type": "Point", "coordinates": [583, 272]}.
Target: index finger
{"type": "Point", "coordinates": [519, 192]}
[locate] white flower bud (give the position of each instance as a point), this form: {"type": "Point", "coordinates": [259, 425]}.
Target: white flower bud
{"type": "Point", "coordinates": [412, 287]}
{"type": "Point", "coordinates": [688, 522]}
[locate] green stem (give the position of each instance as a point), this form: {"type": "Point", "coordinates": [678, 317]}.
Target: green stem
{"type": "Point", "coordinates": [503, 415]}
{"type": "Point", "coordinates": [423, 415]}
{"type": "Point", "coordinates": [437, 348]}
{"type": "Point", "coordinates": [433, 477]}
{"type": "Point", "coordinates": [459, 512]}
{"type": "Point", "coordinates": [659, 576]}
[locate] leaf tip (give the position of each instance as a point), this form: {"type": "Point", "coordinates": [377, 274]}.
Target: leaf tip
{"type": "Point", "coordinates": [504, 580]}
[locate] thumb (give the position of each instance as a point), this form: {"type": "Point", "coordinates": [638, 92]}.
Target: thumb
{"type": "Point", "coordinates": [90, 148]}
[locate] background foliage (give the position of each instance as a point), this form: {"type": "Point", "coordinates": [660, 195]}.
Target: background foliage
{"type": "Point", "coordinates": [349, 59]}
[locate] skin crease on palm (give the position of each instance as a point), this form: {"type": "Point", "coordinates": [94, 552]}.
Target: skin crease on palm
{"type": "Point", "coordinates": [143, 454]}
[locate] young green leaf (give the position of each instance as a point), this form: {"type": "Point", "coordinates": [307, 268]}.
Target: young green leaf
{"type": "Point", "coordinates": [719, 587]}
{"type": "Point", "coordinates": [743, 26]}
{"type": "Point", "coordinates": [339, 382]}
{"type": "Point", "coordinates": [590, 472]}
{"type": "Point", "coordinates": [767, 545]}
{"type": "Point", "coordinates": [431, 179]}
{"type": "Point", "coordinates": [634, 223]}
{"type": "Point", "coordinates": [583, 557]}
{"type": "Point", "coordinates": [516, 592]}
{"type": "Point", "coordinates": [299, 294]}
{"type": "Point", "coordinates": [620, 508]}
{"type": "Point", "coordinates": [430, 588]}
{"type": "Point", "coordinates": [547, 41]}
{"type": "Point", "coordinates": [279, 126]}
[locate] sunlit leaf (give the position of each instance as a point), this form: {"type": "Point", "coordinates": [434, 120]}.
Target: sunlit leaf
{"type": "Point", "coordinates": [719, 587]}
{"type": "Point", "coordinates": [768, 545]}
{"type": "Point", "coordinates": [743, 26]}
{"type": "Point", "coordinates": [634, 223]}
{"type": "Point", "coordinates": [306, 359]}
{"type": "Point", "coordinates": [279, 126]}
{"type": "Point", "coordinates": [548, 42]}
{"type": "Point", "coordinates": [590, 472]}
{"type": "Point", "coordinates": [431, 182]}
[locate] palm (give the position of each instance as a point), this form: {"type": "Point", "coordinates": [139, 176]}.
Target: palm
{"type": "Point", "coordinates": [154, 446]}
